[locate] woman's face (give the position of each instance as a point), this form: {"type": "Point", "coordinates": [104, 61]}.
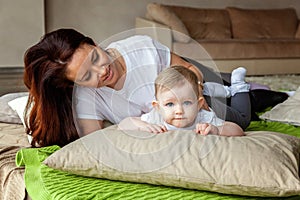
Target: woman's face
{"type": "Point", "coordinates": [92, 67]}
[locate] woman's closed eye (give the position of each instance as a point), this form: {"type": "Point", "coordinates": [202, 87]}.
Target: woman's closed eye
{"type": "Point", "coordinates": [94, 60]}
{"type": "Point", "coordinates": [95, 57]}
{"type": "Point", "coordinates": [86, 76]}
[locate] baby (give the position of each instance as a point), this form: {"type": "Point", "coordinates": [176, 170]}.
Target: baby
{"type": "Point", "coordinates": [179, 105]}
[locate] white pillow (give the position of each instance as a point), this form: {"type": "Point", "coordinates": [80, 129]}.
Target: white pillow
{"type": "Point", "coordinates": [259, 164]}
{"type": "Point", "coordinates": [19, 105]}
{"type": "Point", "coordinates": [286, 112]}
{"type": "Point", "coordinates": [7, 114]}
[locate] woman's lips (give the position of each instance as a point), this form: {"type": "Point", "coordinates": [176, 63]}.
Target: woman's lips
{"type": "Point", "coordinates": [109, 74]}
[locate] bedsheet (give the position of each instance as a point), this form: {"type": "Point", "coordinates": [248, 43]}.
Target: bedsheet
{"type": "Point", "coordinates": [44, 183]}
{"type": "Point", "coordinates": [12, 139]}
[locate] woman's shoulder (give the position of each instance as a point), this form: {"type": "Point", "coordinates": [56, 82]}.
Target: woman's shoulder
{"type": "Point", "coordinates": [132, 40]}
{"type": "Point", "coordinates": [139, 37]}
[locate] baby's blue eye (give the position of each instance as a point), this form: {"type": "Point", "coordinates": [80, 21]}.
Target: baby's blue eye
{"type": "Point", "coordinates": [169, 104]}
{"type": "Point", "coordinates": [187, 103]}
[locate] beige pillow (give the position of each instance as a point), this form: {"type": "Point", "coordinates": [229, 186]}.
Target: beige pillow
{"type": "Point", "coordinates": [263, 23]}
{"type": "Point", "coordinates": [162, 14]}
{"type": "Point", "coordinates": [286, 112]}
{"type": "Point", "coordinates": [259, 164]}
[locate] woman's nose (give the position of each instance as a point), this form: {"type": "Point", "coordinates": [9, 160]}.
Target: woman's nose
{"type": "Point", "coordinates": [101, 70]}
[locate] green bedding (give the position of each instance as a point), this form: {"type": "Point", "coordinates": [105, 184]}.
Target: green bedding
{"type": "Point", "coordinates": [44, 183]}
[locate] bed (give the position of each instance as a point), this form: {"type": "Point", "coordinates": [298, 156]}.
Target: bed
{"type": "Point", "coordinates": [24, 172]}
{"type": "Point", "coordinates": [12, 139]}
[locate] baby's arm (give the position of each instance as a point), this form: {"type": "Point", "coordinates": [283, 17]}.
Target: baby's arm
{"type": "Point", "coordinates": [227, 129]}
{"type": "Point", "coordinates": [231, 129]}
{"type": "Point", "coordinates": [135, 123]}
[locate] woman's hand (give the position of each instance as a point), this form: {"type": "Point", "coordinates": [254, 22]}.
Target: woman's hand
{"type": "Point", "coordinates": [153, 128]}
{"type": "Point", "coordinates": [135, 123]}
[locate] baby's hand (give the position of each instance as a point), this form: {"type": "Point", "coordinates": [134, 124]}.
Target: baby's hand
{"type": "Point", "coordinates": [206, 128]}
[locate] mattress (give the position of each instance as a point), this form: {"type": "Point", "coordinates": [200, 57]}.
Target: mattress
{"type": "Point", "coordinates": [12, 139]}
{"type": "Point", "coordinates": [45, 183]}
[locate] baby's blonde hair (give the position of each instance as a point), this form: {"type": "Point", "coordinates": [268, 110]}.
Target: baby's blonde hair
{"type": "Point", "coordinates": [174, 76]}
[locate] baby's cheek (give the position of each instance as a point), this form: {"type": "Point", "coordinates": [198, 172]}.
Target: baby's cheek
{"type": "Point", "coordinates": [165, 114]}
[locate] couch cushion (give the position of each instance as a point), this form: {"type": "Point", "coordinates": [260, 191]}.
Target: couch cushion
{"type": "Point", "coordinates": [204, 23]}
{"type": "Point", "coordinates": [162, 14]}
{"type": "Point", "coordinates": [239, 49]}
{"type": "Point", "coordinates": [263, 23]}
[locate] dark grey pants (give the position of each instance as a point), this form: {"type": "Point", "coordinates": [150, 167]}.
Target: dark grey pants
{"type": "Point", "coordinates": [237, 109]}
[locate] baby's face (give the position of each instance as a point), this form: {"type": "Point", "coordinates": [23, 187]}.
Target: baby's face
{"type": "Point", "coordinates": [178, 106]}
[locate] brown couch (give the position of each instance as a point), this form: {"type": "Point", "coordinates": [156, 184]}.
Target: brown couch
{"type": "Point", "coordinates": [264, 41]}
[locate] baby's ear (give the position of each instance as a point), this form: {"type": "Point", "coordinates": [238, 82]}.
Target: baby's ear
{"type": "Point", "coordinates": [202, 103]}
{"type": "Point", "coordinates": [155, 104]}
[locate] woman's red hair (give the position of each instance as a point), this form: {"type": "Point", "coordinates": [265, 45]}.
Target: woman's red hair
{"type": "Point", "coordinates": [49, 108]}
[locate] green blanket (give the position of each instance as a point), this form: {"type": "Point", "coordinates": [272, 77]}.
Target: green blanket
{"type": "Point", "coordinates": [44, 183]}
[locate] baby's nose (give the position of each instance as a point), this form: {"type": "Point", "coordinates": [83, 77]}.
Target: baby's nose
{"type": "Point", "coordinates": [179, 109]}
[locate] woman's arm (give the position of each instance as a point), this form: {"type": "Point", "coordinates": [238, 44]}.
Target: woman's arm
{"type": "Point", "coordinates": [135, 123]}
{"type": "Point", "coordinates": [177, 60]}
{"type": "Point", "coordinates": [86, 126]}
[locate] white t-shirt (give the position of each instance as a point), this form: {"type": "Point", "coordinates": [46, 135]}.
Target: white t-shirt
{"type": "Point", "coordinates": [144, 59]}
{"type": "Point", "coordinates": [203, 116]}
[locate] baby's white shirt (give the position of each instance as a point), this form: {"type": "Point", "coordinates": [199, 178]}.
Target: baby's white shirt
{"type": "Point", "coordinates": [204, 116]}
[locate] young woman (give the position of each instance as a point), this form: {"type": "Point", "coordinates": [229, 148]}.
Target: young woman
{"type": "Point", "coordinates": [110, 84]}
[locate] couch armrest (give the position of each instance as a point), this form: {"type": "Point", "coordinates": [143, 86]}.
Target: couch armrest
{"type": "Point", "coordinates": [157, 31]}
{"type": "Point", "coordinates": [297, 35]}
